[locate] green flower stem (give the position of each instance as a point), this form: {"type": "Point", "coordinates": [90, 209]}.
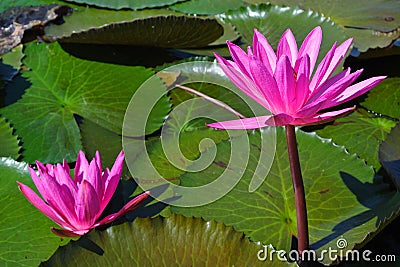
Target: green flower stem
{"type": "Point", "coordinates": [298, 186]}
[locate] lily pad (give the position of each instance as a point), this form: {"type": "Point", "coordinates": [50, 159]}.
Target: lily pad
{"type": "Point", "coordinates": [389, 155]}
{"type": "Point", "coordinates": [141, 28]}
{"type": "Point", "coordinates": [63, 86]}
{"type": "Point", "coordinates": [272, 21]}
{"type": "Point", "coordinates": [6, 4]}
{"type": "Point", "coordinates": [364, 133]}
{"type": "Point", "coordinates": [206, 7]}
{"type": "Point", "coordinates": [172, 241]}
{"type": "Point", "coordinates": [372, 23]}
{"type": "Point", "coordinates": [384, 99]}
{"type": "Point", "coordinates": [120, 4]}
{"type": "Point", "coordinates": [366, 130]}
{"type": "Point", "coordinates": [343, 197]}
{"type": "Point", "coordinates": [26, 239]}
{"type": "Point", "coordinates": [14, 58]}
{"type": "Point", "coordinates": [8, 141]}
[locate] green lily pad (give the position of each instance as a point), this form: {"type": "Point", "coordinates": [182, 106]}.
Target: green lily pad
{"type": "Point", "coordinates": [389, 155]}
{"type": "Point", "coordinates": [207, 7]}
{"type": "Point", "coordinates": [132, 4]}
{"type": "Point", "coordinates": [9, 143]}
{"type": "Point", "coordinates": [373, 23]}
{"type": "Point", "coordinates": [14, 58]}
{"type": "Point", "coordinates": [63, 86]}
{"type": "Point", "coordinates": [184, 135]}
{"type": "Point", "coordinates": [26, 239]}
{"type": "Point", "coordinates": [364, 133]}
{"type": "Point", "coordinates": [385, 98]}
{"type": "Point", "coordinates": [272, 21]}
{"type": "Point", "coordinates": [141, 28]}
{"type": "Point", "coordinates": [5, 4]}
{"type": "Point", "coordinates": [343, 199]}
{"type": "Point", "coordinates": [172, 241]}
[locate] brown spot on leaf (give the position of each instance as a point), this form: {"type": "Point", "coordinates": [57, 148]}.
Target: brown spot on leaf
{"type": "Point", "coordinates": [221, 164]}
{"type": "Point", "coordinates": [268, 194]}
{"type": "Point", "coordinates": [323, 191]}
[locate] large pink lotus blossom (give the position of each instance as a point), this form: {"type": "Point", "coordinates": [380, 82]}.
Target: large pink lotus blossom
{"type": "Point", "coordinates": [77, 204]}
{"type": "Point", "coordinates": [281, 81]}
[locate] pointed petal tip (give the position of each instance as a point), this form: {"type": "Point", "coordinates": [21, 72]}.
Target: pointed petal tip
{"type": "Point", "coordinates": [64, 233]}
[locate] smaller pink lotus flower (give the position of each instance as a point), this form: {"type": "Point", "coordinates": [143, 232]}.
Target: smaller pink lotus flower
{"type": "Point", "coordinates": [77, 204]}
{"type": "Point", "coordinates": [284, 82]}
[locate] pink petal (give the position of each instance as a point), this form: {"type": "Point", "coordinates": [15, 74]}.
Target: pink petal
{"type": "Point", "coordinates": [340, 53]}
{"type": "Point", "coordinates": [263, 51]}
{"type": "Point", "coordinates": [354, 91]}
{"type": "Point", "coordinates": [240, 58]}
{"type": "Point", "coordinates": [39, 184]}
{"type": "Point", "coordinates": [284, 77]}
{"type": "Point", "coordinates": [310, 47]}
{"type": "Point", "coordinates": [241, 81]}
{"type": "Point", "coordinates": [64, 233]}
{"type": "Point", "coordinates": [87, 205]}
{"type": "Point", "coordinates": [241, 124]}
{"type": "Point", "coordinates": [303, 80]}
{"type": "Point", "coordinates": [323, 117]}
{"type": "Point", "coordinates": [267, 86]}
{"type": "Point", "coordinates": [64, 178]}
{"type": "Point", "coordinates": [36, 201]}
{"type": "Point", "coordinates": [94, 177]}
{"type": "Point", "coordinates": [319, 75]}
{"type": "Point", "coordinates": [330, 82]}
{"type": "Point", "coordinates": [66, 166]}
{"type": "Point", "coordinates": [331, 91]}
{"type": "Point", "coordinates": [61, 199]}
{"type": "Point", "coordinates": [98, 160]}
{"type": "Point", "coordinates": [287, 46]}
{"type": "Point", "coordinates": [131, 205]}
{"type": "Point", "coordinates": [80, 167]}
{"type": "Point", "coordinates": [112, 181]}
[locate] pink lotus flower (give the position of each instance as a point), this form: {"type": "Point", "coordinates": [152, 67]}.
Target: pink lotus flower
{"type": "Point", "coordinates": [281, 82]}
{"type": "Point", "coordinates": [77, 204]}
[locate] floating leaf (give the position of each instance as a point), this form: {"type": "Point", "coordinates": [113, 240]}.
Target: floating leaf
{"type": "Point", "coordinates": [132, 4]}
{"type": "Point", "coordinates": [385, 98]}
{"type": "Point", "coordinates": [63, 86]}
{"type": "Point", "coordinates": [272, 21]}
{"type": "Point", "coordinates": [364, 133]}
{"type": "Point", "coordinates": [26, 239]}
{"type": "Point", "coordinates": [14, 58]}
{"type": "Point", "coordinates": [207, 6]}
{"type": "Point", "coordinates": [9, 143]}
{"type": "Point", "coordinates": [141, 28]}
{"type": "Point", "coordinates": [6, 4]}
{"type": "Point", "coordinates": [172, 241]}
{"type": "Point", "coordinates": [389, 155]}
{"type": "Point", "coordinates": [343, 199]}
{"type": "Point", "coordinates": [373, 23]}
